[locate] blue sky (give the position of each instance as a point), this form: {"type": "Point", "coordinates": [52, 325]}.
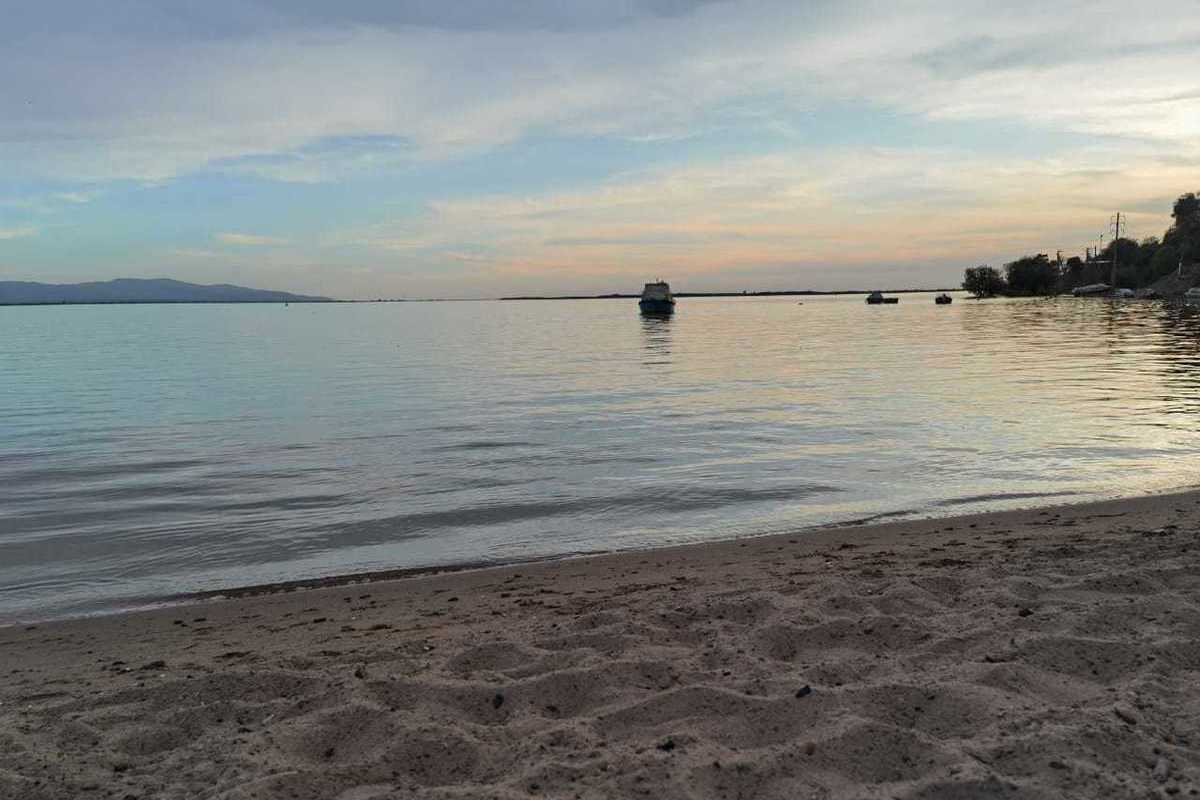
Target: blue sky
{"type": "Point", "coordinates": [418, 148]}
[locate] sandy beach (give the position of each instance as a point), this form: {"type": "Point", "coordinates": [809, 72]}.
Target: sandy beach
{"type": "Point", "coordinates": [1042, 653]}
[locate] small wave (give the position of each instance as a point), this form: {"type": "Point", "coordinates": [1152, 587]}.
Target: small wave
{"type": "Point", "coordinates": [483, 445]}
{"type": "Point", "coordinates": [697, 497]}
{"type": "Point", "coordinates": [300, 502]}
{"type": "Point", "coordinates": [25, 455]}
{"type": "Point", "coordinates": [140, 493]}
{"type": "Point", "coordinates": [885, 515]}
{"type": "Point", "coordinates": [546, 458]}
{"type": "Point", "coordinates": [988, 498]}
{"type": "Point", "coordinates": [112, 470]}
{"type": "Point", "coordinates": [678, 499]}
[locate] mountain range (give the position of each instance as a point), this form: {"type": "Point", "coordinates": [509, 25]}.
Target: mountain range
{"type": "Point", "coordinates": [141, 290]}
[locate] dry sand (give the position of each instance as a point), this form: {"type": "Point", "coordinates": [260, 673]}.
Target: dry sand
{"type": "Point", "coordinates": [1051, 653]}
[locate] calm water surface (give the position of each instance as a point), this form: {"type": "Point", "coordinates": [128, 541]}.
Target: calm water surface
{"type": "Point", "coordinates": [149, 450]}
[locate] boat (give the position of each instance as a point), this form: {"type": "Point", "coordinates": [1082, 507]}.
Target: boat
{"type": "Point", "coordinates": [1091, 290]}
{"type": "Point", "coordinates": [943, 299]}
{"type": "Point", "coordinates": [657, 298]}
{"type": "Point", "coordinates": [876, 298]}
{"type": "Point", "coordinates": [1192, 295]}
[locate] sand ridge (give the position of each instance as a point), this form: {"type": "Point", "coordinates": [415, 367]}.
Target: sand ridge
{"type": "Point", "coordinates": [1043, 653]}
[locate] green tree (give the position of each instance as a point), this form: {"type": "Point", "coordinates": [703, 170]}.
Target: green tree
{"type": "Point", "coordinates": [1184, 234]}
{"type": "Point", "coordinates": [1133, 260]}
{"type": "Point", "coordinates": [983, 281]}
{"type": "Point", "coordinates": [1073, 271]}
{"type": "Point", "coordinates": [1147, 249]}
{"type": "Point", "coordinates": [1032, 275]}
{"type": "Point", "coordinates": [1165, 261]}
{"type": "Point", "coordinates": [1187, 210]}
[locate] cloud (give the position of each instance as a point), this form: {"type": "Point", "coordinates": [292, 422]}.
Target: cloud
{"type": "Point", "coordinates": [43, 200]}
{"type": "Point", "coordinates": [383, 95]}
{"type": "Point", "coordinates": [76, 198]}
{"type": "Point", "coordinates": [325, 161]}
{"type": "Point", "coordinates": [194, 253]}
{"type": "Point", "coordinates": [151, 102]}
{"type": "Point", "coordinates": [16, 233]}
{"type": "Point", "coordinates": [249, 240]}
{"type": "Point", "coordinates": [217, 20]}
{"type": "Point", "coordinates": [804, 219]}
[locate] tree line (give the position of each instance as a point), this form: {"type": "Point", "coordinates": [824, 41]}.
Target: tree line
{"type": "Point", "coordinates": [1138, 263]}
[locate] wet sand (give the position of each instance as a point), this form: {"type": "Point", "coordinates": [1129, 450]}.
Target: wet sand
{"type": "Point", "coordinates": [1041, 653]}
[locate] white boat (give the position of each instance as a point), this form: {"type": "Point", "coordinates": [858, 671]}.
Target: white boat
{"type": "Point", "coordinates": [1192, 295]}
{"type": "Point", "coordinates": [1091, 289]}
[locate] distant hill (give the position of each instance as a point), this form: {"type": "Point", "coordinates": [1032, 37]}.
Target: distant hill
{"type": "Point", "coordinates": [141, 290]}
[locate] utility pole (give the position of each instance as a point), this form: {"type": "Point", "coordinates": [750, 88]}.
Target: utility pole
{"type": "Point", "coordinates": [1116, 229]}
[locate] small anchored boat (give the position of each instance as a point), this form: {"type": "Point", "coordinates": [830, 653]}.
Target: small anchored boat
{"type": "Point", "coordinates": [877, 299]}
{"type": "Point", "coordinates": [1091, 290]}
{"type": "Point", "coordinates": [657, 298]}
{"type": "Point", "coordinates": [943, 299]}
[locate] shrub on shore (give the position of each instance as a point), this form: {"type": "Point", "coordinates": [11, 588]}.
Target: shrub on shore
{"type": "Point", "coordinates": [983, 281]}
{"type": "Point", "coordinates": [1139, 264]}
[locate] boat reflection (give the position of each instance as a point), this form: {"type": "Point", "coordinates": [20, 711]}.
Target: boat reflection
{"type": "Point", "coordinates": [656, 338]}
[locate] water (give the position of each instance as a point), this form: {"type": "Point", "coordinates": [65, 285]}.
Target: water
{"type": "Point", "coordinates": [151, 450]}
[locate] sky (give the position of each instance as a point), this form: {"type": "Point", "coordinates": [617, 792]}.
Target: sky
{"type": "Point", "coordinates": [419, 148]}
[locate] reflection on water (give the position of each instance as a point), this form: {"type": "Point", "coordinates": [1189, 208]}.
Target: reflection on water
{"type": "Point", "coordinates": [1182, 368]}
{"type": "Point", "coordinates": [656, 332]}
{"type": "Point", "coordinates": [154, 449]}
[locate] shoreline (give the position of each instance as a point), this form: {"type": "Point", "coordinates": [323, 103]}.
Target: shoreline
{"type": "Point", "coordinates": [1044, 652]}
{"type": "Point", "coordinates": [183, 600]}
{"type": "Point", "coordinates": [134, 605]}
{"type": "Point", "coordinates": [370, 577]}
{"type": "Point", "coordinates": [329, 300]}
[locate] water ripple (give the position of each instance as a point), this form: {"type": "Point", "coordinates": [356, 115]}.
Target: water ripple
{"type": "Point", "coordinates": [157, 449]}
